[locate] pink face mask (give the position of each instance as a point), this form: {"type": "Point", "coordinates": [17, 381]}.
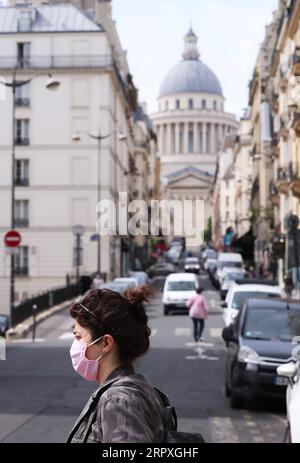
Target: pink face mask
{"type": "Point", "coordinates": [88, 369]}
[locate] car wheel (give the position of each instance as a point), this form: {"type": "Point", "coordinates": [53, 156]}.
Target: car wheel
{"type": "Point", "coordinates": [227, 389]}
{"type": "Point", "coordinates": [166, 311]}
{"type": "Point", "coordinates": [287, 435]}
{"type": "Point", "coordinates": [235, 400]}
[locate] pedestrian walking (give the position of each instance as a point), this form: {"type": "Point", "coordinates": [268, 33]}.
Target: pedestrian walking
{"type": "Point", "coordinates": [198, 311]}
{"type": "Point", "coordinates": [111, 331]}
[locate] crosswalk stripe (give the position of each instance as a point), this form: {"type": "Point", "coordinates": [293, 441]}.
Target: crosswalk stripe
{"type": "Point", "coordinates": [27, 340]}
{"type": "Point", "coordinates": [215, 332]}
{"type": "Point", "coordinates": [66, 336]}
{"type": "Point", "coordinates": [183, 332]}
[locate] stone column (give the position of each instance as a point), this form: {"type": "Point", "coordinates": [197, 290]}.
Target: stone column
{"type": "Point", "coordinates": [204, 138]}
{"type": "Point", "coordinates": [186, 138]}
{"type": "Point", "coordinates": [177, 138]}
{"type": "Point", "coordinates": [212, 138]}
{"type": "Point", "coordinates": [196, 139]}
{"type": "Point", "coordinates": [169, 147]}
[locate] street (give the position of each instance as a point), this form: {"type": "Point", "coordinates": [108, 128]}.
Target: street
{"type": "Point", "coordinates": [41, 395]}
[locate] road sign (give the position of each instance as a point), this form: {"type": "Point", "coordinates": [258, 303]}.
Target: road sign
{"type": "Point", "coordinates": [78, 230]}
{"type": "Point", "coordinates": [12, 239]}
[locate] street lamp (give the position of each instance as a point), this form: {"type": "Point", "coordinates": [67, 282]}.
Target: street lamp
{"type": "Point", "coordinates": [76, 138]}
{"type": "Point", "coordinates": [52, 85]}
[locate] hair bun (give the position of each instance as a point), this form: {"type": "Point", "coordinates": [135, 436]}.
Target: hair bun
{"type": "Point", "coordinates": [139, 295]}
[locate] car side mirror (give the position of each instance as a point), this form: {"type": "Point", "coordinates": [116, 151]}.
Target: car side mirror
{"type": "Point", "coordinates": [228, 334]}
{"type": "Point", "coordinates": [224, 305]}
{"type": "Point", "coordinates": [287, 371]}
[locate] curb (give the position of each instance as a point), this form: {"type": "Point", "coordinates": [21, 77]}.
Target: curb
{"type": "Point", "coordinates": [22, 329]}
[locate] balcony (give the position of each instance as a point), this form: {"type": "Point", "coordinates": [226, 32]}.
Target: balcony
{"type": "Point", "coordinates": [23, 102]}
{"type": "Point", "coordinates": [296, 123]}
{"type": "Point", "coordinates": [50, 62]}
{"type": "Point", "coordinates": [21, 222]}
{"type": "Point", "coordinates": [284, 178]}
{"type": "Point", "coordinates": [21, 271]}
{"type": "Point", "coordinates": [22, 141]}
{"type": "Point", "coordinates": [275, 102]}
{"type": "Point", "coordinates": [22, 181]}
{"type": "Point", "coordinates": [296, 179]}
{"type": "Point", "coordinates": [284, 131]}
{"type": "Point", "coordinates": [296, 62]}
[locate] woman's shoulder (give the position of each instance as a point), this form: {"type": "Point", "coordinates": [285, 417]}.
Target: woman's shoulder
{"type": "Point", "coordinates": [134, 387]}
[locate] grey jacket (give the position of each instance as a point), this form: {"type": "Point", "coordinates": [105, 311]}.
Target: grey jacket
{"type": "Point", "coordinates": [128, 411]}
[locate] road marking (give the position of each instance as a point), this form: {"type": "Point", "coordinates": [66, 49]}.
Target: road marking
{"type": "Point", "coordinates": [19, 341]}
{"type": "Point", "coordinates": [153, 333]}
{"type": "Point", "coordinates": [222, 430]}
{"type": "Point", "coordinates": [66, 336]}
{"type": "Point", "coordinates": [183, 332]}
{"type": "Point", "coordinates": [202, 344]}
{"type": "Point", "coordinates": [215, 332]}
{"type": "Point", "coordinates": [200, 355]}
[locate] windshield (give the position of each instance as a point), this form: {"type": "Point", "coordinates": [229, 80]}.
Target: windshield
{"type": "Point", "coordinates": [272, 324]}
{"type": "Point", "coordinates": [222, 265]}
{"type": "Point", "coordinates": [181, 286]}
{"type": "Point", "coordinates": [191, 260]}
{"type": "Point", "coordinates": [234, 276]}
{"type": "Point", "coordinates": [240, 297]}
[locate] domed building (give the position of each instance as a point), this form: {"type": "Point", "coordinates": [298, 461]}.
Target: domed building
{"type": "Point", "coordinates": [191, 125]}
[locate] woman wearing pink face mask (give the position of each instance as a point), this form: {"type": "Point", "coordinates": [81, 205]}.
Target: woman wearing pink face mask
{"type": "Point", "coordinates": [111, 331]}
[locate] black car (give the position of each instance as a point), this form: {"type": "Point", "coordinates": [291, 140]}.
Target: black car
{"type": "Point", "coordinates": [259, 341]}
{"type": "Point", "coordinates": [4, 324]}
{"type": "Point", "coordinates": [161, 269]}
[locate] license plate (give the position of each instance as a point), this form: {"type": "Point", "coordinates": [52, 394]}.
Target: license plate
{"type": "Point", "coordinates": [280, 381]}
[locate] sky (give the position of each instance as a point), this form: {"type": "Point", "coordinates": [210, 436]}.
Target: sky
{"type": "Point", "coordinates": [229, 32]}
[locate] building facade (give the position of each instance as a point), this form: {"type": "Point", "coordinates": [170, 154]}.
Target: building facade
{"type": "Point", "coordinates": [191, 124]}
{"type": "Point", "coordinates": [57, 178]}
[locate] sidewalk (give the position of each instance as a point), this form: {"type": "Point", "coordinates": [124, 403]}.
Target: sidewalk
{"type": "Point", "coordinates": [22, 329]}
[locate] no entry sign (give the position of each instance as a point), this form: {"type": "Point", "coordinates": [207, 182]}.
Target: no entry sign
{"type": "Point", "coordinates": [12, 239]}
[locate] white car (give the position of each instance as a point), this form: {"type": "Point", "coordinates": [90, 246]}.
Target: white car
{"type": "Point", "coordinates": [129, 281]}
{"type": "Point", "coordinates": [239, 293]}
{"type": "Point", "coordinates": [227, 260]}
{"type": "Point", "coordinates": [179, 287]}
{"type": "Point", "coordinates": [229, 280]}
{"type": "Point", "coordinates": [291, 371]}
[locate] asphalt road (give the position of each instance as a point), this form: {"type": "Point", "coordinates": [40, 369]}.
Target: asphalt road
{"type": "Point", "coordinates": [41, 396]}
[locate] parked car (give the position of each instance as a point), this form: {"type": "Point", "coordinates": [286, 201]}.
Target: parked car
{"type": "Point", "coordinates": [173, 254]}
{"type": "Point", "coordinates": [179, 287]}
{"type": "Point", "coordinates": [227, 260]}
{"type": "Point", "coordinates": [241, 290]}
{"type": "Point", "coordinates": [208, 253]}
{"type": "Point", "coordinates": [4, 324]}
{"type": "Point", "coordinates": [161, 269]}
{"type": "Point", "coordinates": [116, 286]}
{"type": "Point", "coordinates": [210, 265]}
{"type": "Point", "coordinates": [229, 280]}
{"type": "Point", "coordinates": [291, 372]}
{"type": "Point", "coordinates": [130, 281]}
{"type": "Point", "coordinates": [191, 264]}
{"type": "Point", "coordinates": [142, 277]}
{"type": "Point", "coordinates": [259, 341]}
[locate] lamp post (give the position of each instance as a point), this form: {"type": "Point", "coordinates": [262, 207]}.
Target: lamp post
{"type": "Point", "coordinates": [52, 85]}
{"type": "Point", "coordinates": [76, 137]}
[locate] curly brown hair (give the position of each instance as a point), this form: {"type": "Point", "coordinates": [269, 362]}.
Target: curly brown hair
{"type": "Point", "coordinates": [123, 316]}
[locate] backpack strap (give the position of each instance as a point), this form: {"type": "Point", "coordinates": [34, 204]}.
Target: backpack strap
{"type": "Point", "coordinates": [170, 416]}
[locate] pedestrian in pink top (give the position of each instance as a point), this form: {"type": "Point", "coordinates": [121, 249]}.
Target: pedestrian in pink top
{"type": "Point", "coordinates": [198, 313]}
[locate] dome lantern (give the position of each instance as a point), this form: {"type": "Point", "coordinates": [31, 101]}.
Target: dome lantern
{"type": "Point", "coordinates": [191, 46]}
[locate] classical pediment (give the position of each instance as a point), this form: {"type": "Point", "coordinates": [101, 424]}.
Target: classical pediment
{"type": "Point", "coordinates": [190, 178]}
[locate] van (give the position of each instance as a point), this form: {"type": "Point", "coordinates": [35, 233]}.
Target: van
{"type": "Point", "coordinates": [179, 287]}
{"type": "Point", "coordinates": [227, 260]}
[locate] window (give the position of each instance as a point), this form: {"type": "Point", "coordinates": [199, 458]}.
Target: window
{"type": "Point", "coordinates": [203, 104]}
{"type": "Point", "coordinates": [21, 261]}
{"type": "Point", "coordinates": [22, 132]}
{"type": "Point", "coordinates": [191, 104]}
{"type": "Point", "coordinates": [21, 213]}
{"type": "Point", "coordinates": [227, 201]}
{"type": "Point", "coordinates": [25, 21]}
{"type": "Point", "coordinates": [23, 54]}
{"type": "Point", "coordinates": [177, 104]}
{"type": "Point", "coordinates": [22, 172]}
{"type": "Point", "coordinates": [22, 95]}
{"type": "Point", "coordinates": [166, 105]}
{"type": "Point", "coordinates": [215, 106]}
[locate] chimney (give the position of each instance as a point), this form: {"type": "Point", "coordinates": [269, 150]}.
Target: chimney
{"type": "Point", "coordinates": [103, 13]}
